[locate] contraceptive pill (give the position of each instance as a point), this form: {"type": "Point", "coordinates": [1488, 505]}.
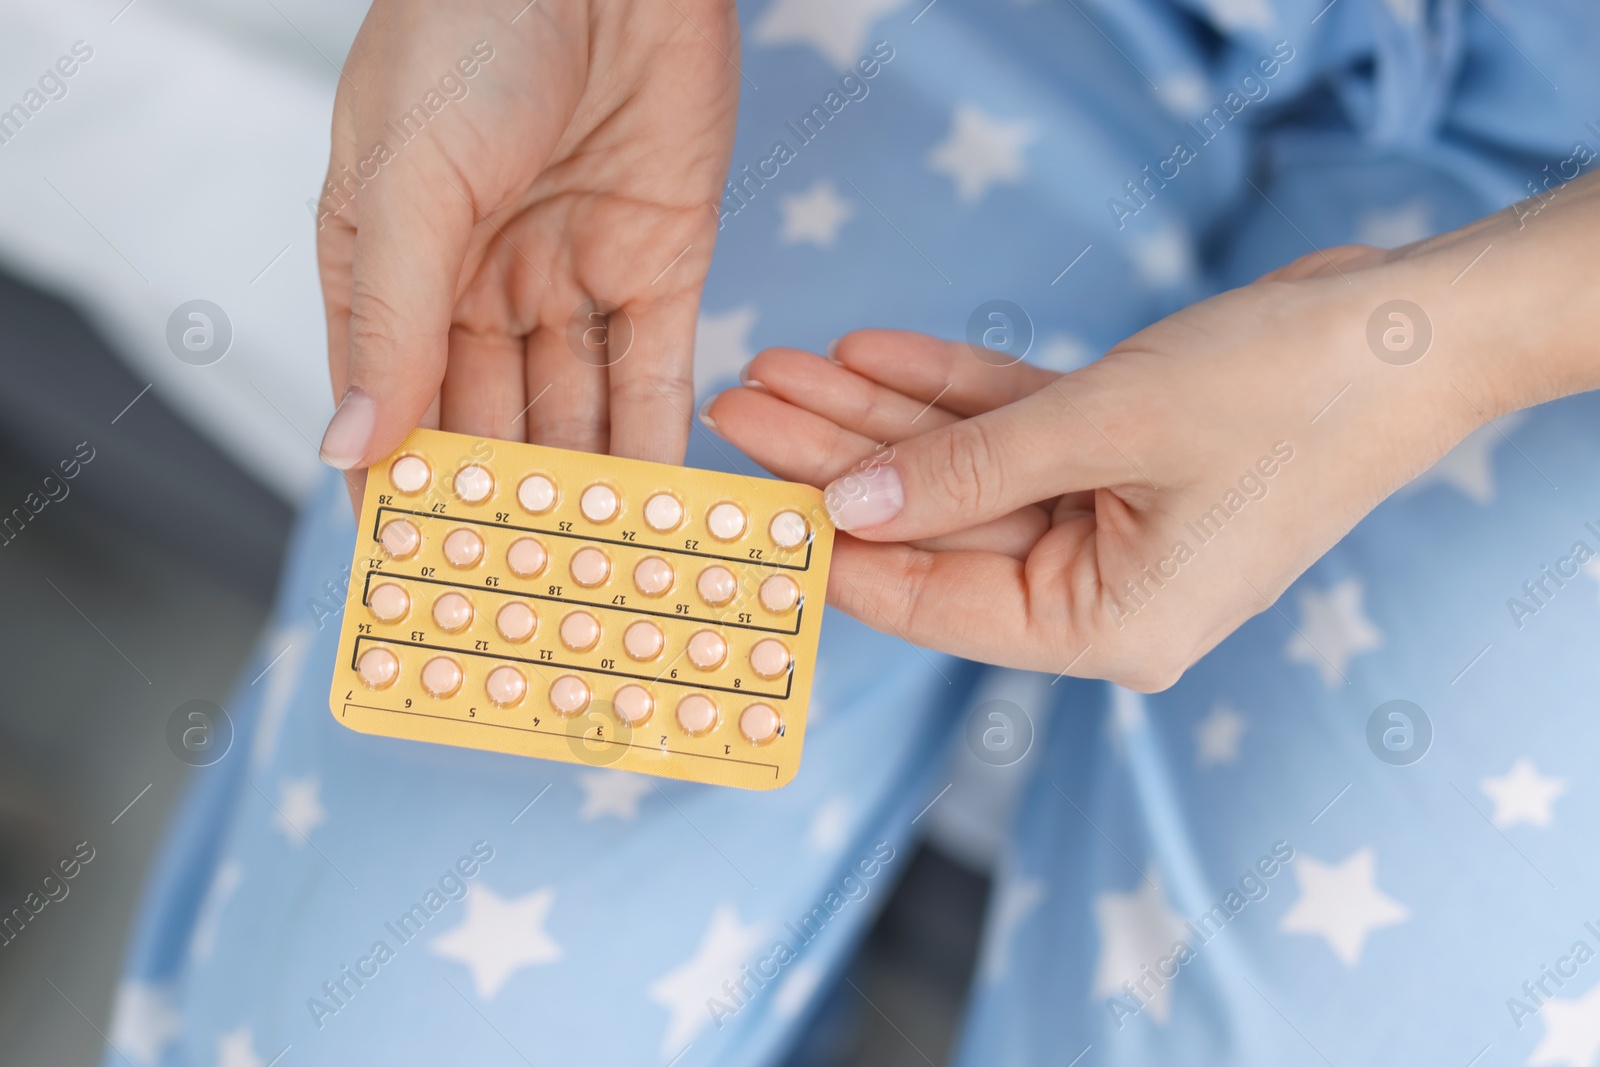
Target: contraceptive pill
{"type": "Point", "coordinates": [528, 600]}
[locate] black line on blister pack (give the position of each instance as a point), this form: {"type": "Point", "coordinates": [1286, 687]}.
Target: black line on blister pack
{"type": "Point", "coordinates": [562, 733]}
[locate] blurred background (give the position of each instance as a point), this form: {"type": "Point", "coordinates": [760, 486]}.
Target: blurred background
{"type": "Point", "coordinates": [174, 165]}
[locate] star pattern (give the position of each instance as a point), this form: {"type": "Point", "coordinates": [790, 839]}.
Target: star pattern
{"type": "Point", "coordinates": [1216, 737]}
{"type": "Point", "coordinates": [1333, 629]}
{"type": "Point", "coordinates": [814, 215]}
{"type": "Point", "coordinates": [299, 809]}
{"type": "Point", "coordinates": [722, 346]}
{"type": "Point", "coordinates": [143, 1022]}
{"type": "Point", "coordinates": [1242, 14]}
{"type": "Point", "coordinates": [612, 793]}
{"type": "Point", "coordinates": [500, 939]}
{"type": "Point", "coordinates": [726, 945]}
{"type": "Point", "coordinates": [1136, 929]}
{"type": "Point", "coordinates": [1183, 94]}
{"type": "Point", "coordinates": [1017, 900]}
{"type": "Point", "coordinates": [1406, 12]}
{"type": "Point", "coordinates": [836, 28]}
{"type": "Point", "coordinates": [500, 936]}
{"type": "Point", "coordinates": [1469, 467]}
{"type": "Point", "coordinates": [982, 150]}
{"type": "Point", "coordinates": [1591, 568]}
{"type": "Point", "coordinates": [830, 826]}
{"type": "Point", "coordinates": [1571, 1032]}
{"type": "Point", "coordinates": [1061, 352]}
{"type": "Point", "coordinates": [228, 879]}
{"type": "Point", "coordinates": [797, 989]}
{"type": "Point", "coordinates": [1341, 903]}
{"type": "Point", "coordinates": [1163, 259]}
{"type": "Point", "coordinates": [1522, 794]}
{"type": "Point", "coordinates": [1399, 226]}
{"type": "Point", "coordinates": [237, 1049]}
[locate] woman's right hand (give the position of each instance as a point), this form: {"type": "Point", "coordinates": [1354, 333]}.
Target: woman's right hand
{"type": "Point", "coordinates": [581, 162]}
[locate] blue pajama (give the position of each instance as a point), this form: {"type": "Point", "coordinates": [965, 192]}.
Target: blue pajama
{"type": "Point", "coordinates": [1223, 873]}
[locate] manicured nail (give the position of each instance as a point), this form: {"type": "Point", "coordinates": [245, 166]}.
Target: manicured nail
{"type": "Point", "coordinates": [827, 353]}
{"type": "Point", "coordinates": [749, 382]}
{"type": "Point", "coordinates": [858, 501]}
{"type": "Point", "coordinates": [350, 430]}
{"type": "Point", "coordinates": [705, 415]}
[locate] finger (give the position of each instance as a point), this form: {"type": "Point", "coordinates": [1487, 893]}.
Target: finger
{"type": "Point", "coordinates": [799, 446]}
{"type": "Point", "coordinates": [484, 384]}
{"type": "Point", "coordinates": [355, 481]}
{"type": "Point", "coordinates": [1038, 448]}
{"type": "Point", "coordinates": [566, 395]}
{"type": "Point", "coordinates": [652, 381]}
{"type": "Point", "coordinates": [970, 604]}
{"type": "Point", "coordinates": [926, 368]}
{"type": "Point", "coordinates": [841, 396]}
{"type": "Point", "coordinates": [405, 263]}
{"type": "Point", "coordinates": [792, 443]}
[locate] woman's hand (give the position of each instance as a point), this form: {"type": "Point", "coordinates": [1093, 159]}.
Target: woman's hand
{"type": "Point", "coordinates": [464, 250]}
{"type": "Point", "coordinates": [1121, 520]}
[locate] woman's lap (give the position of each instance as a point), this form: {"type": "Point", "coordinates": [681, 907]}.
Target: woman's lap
{"type": "Point", "coordinates": [979, 162]}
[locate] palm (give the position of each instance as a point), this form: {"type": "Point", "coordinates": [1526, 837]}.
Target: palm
{"type": "Point", "coordinates": [582, 164]}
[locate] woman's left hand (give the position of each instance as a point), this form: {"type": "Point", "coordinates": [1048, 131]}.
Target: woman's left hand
{"type": "Point", "coordinates": [1121, 520]}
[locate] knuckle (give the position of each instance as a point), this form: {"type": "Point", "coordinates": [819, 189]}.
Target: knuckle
{"type": "Point", "coordinates": [965, 471]}
{"type": "Point", "coordinates": [909, 598]}
{"type": "Point", "coordinates": [655, 385]}
{"type": "Point", "coordinates": [373, 321]}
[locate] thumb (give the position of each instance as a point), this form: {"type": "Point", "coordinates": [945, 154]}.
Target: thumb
{"type": "Point", "coordinates": [979, 469]}
{"type": "Point", "coordinates": [410, 242]}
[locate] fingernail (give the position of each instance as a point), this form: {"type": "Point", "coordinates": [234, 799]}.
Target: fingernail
{"type": "Point", "coordinates": [749, 382]}
{"type": "Point", "coordinates": [858, 501]}
{"type": "Point", "coordinates": [705, 415]}
{"type": "Point", "coordinates": [350, 430]}
{"type": "Point", "coordinates": [827, 353]}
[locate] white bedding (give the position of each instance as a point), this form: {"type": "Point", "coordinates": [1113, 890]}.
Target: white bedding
{"type": "Point", "coordinates": [176, 165]}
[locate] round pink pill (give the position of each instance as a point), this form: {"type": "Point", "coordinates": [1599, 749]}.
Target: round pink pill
{"type": "Point", "coordinates": [580, 631]}
{"type": "Point", "coordinates": [526, 557]}
{"type": "Point", "coordinates": [716, 586]}
{"type": "Point", "coordinates": [463, 548]}
{"type": "Point", "coordinates": [410, 474]}
{"type": "Point", "coordinates": [788, 529]}
{"type": "Point", "coordinates": [726, 521]}
{"type": "Point", "coordinates": [441, 676]}
{"type": "Point", "coordinates": [516, 622]}
{"type": "Point", "coordinates": [452, 613]}
{"type": "Point", "coordinates": [377, 667]}
{"type": "Point", "coordinates": [759, 723]}
{"type": "Point", "coordinates": [707, 650]}
{"type": "Point", "coordinates": [474, 484]}
{"type": "Point", "coordinates": [599, 503]}
{"type": "Point", "coordinates": [537, 494]}
{"type": "Point", "coordinates": [633, 704]}
{"type": "Point", "coordinates": [652, 576]}
{"type": "Point", "coordinates": [590, 567]}
{"type": "Point", "coordinates": [779, 593]}
{"type": "Point", "coordinates": [400, 539]}
{"type": "Point", "coordinates": [506, 686]}
{"type": "Point", "coordinates": [697, 714]}
{"type": "Point", "coordinates": [643, 640]}
{"type": "Point", "coordinates": [663, 512]}
{"type": "Point", "coordinates": [769, 658]}
{"type": "Point", "coordinates": [569, 694]}
{"type": "Point", "coordinates": [388, 602]}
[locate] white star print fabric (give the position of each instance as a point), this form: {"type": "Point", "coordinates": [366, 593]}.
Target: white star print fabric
{"type": "Point", "coordinates": [1233, 872]}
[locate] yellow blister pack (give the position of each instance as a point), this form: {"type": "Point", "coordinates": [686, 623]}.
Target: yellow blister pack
{"type": "Point", "coordinates": [586, 608]}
